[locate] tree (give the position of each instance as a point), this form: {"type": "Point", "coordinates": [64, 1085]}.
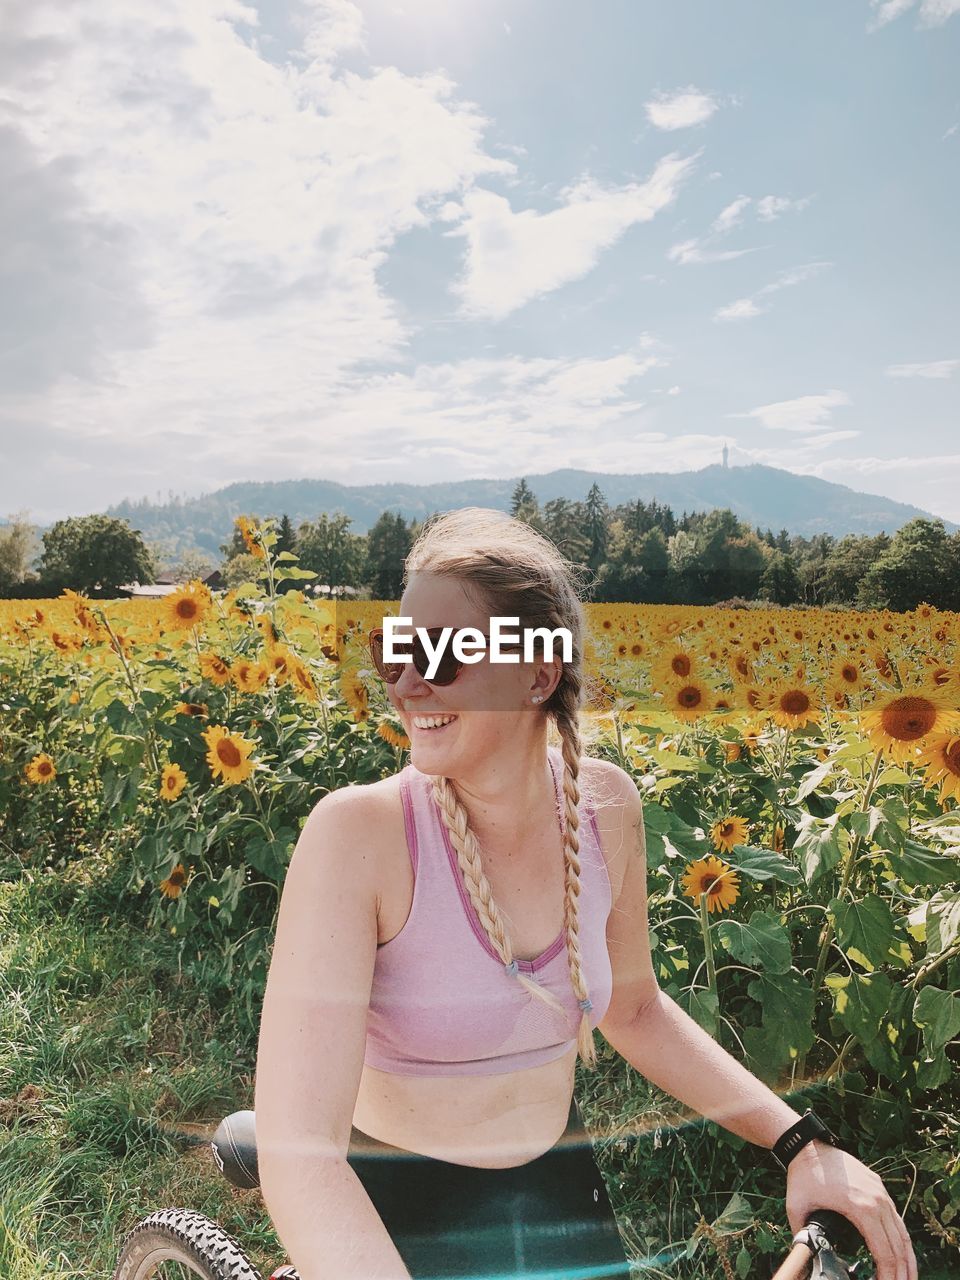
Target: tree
{"type": "Point", "coordinates": [522, 499]}
{"type": "Point", "coordinates": [335, 555]}
{"type": "Point", "coordinates": [597, 514]}
{"type": "Point", "coordinates": [915, 567]}
{"type": "Point", "coordinates": [388, 545]}
{"type": "Point", "coordinates": [286, 537]}
{"type": "Point", "coordinates": [194, 563]}
{"type": "Point", "coordinates": [18, 547]}
{"type": "Point", "coordinates": [94, 554]}
{"type": "Point", "coordinates": [242, 567]}
{"type": "Point", "coordinates": [780, 581]}
{"type": "Point", "coordinates": [563, 523]}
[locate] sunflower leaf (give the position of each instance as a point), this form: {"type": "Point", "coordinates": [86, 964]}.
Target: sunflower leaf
{"type": "Point", "coordinates": [817, 846]}
{"type": "Point", "coordinates": [762, 864]}
{"type": "Point", "coordinates": [761, 941]}
{"type": "Point", "coordinates": [813, 779]}
{"type": "Point", "coordinates": [865, 925]}
{"type": "Point", "coordinates": [915, 864]}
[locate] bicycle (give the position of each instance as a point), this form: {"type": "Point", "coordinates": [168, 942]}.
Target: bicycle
{"type": "Point", "coordinates": [199, 1248]}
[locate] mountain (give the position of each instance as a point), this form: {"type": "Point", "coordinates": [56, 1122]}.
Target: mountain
{"type": "Point", "coordinates": [767, 497]}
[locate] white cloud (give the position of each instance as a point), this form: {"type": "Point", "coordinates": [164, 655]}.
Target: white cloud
{"type": "Point", "coordinates": [742, 309]}
{"type": "Point", "coordinates": [746, 308]}
{"type": "Point", "coordinates": [951, 131]}
{"type": "Point", "coordinates": [805, 413]}
{"type": "Point", "coordinates": [729, 217]}
{"type": "Point", "coordinates": [771, 207]}
{"type": "Point", "coordinates": [514, 257]}
{"type": "Point", "coordinates": [228, 216]}
{"type": "Point", "coordinates": [689, 251]}
{"type": "Point", "coordinates": [887, 10]}
{"type": "Point", "coordinates": [933, 369]}
{"type": "Point", "coordinates": [680, 110]}
{"type": "Point", "coordinates": [933, 13]}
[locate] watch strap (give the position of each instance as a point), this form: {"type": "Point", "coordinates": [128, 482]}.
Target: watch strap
{"type": "Point", "coordinates": [806, 1129]}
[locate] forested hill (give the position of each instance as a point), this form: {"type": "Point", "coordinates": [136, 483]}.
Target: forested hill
{"type": "Point", "coordinates": [767, 497]}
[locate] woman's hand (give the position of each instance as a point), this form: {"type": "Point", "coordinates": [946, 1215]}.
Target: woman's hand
{"type": "Point", "coordinates": [823, 1177]}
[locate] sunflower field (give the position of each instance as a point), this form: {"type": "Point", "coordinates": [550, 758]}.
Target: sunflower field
{"type": "Point", "coordinates": [801, 774]}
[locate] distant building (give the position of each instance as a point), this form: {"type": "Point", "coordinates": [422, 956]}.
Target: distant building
{"type": "Point", "coordinates": [725, 456]}
{"type": "Point", "coordinates": [166, 583]}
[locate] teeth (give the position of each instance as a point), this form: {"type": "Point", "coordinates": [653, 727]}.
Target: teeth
{"type": "Point", "coordinates": [431, 722]}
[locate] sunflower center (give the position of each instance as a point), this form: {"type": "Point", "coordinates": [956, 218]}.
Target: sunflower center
{"type": "Point", "coordinates": [187, 609]}
{"type": "Point", "coordinates": [44, 769]}
{"type": "Point", "coordinates": [795, 702]}
{"type": "Point", "coordinates": [691, 696]}
{"type": "Point", "coordinates": [680, 664]}
{"type": "Point", "coordinates": [951, 756]}
{"type": "Point", "coordinates": [909, 718]}
{"type": "Point", "coordinates": [849, 674]}
{"type": "Point", "coordinates": [228, 753]}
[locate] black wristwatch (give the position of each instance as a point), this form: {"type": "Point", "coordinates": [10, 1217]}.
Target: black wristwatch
{"type": "Point", "coordinates": [798, 1135]}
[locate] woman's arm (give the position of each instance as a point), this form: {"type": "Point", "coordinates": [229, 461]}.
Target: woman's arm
{"type": "Point", "coordinates": [311, 1046]}
{"type": "Point", "coordinates": [658, 1038]}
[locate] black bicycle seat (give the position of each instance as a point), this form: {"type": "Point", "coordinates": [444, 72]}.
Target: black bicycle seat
{"type": "Point", "coordinates": [235, 1149]}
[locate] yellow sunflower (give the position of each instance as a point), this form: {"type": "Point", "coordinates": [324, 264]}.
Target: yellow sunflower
{"type": "Point", "coordinates": [250, 532]}
{"type": "Point", "coordinates": [187, 607]}
{"type": "Point", "coordinates": [354, 692]}
{"type": "Point", "coordinates": [172, 781]}
{"type": "Point", "coordinates": [228, 754]}
{"type": "Point", "coordinates": [389, 734]}
{"type": "Point", "coordinates": [729, 832]}
{"type": "Point", "coordinates": [192, 709]}
{"type": "Point", "coordinates": [214, 669]}
{"type": "Point", "coordinates": [40, 769]}
{"type": "Point", "coordinates": [941, 756]}
{"type": "Point", "coordinates": [688, 700]}
{"type": "Point", "coordinates": [279, 663]}
{"type": "Point", "coordinates": [175, 881]}
{"type": "Point", "coordinates": [793, 705]}
{"type": "Point", "coordinates": [847, 674]}
{"type": "Point", "coordinates": [899, 722]}
{"type": "Point", "coordinates": [714, 878]}
{"type": "Point", "coordinates": [249, 677]}
{"type": "Point", "coordinates": [304, 681]}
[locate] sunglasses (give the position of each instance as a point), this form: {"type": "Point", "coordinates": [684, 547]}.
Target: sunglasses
{"type": "Point", "coordinates": [448, 667]}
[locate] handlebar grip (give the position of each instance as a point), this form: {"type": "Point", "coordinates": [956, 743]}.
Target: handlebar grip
{"type": "Point", "coordinates": [843, 1235]}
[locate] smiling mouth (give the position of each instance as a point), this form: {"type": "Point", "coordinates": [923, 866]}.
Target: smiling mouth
{"type": "Point", "coordinates": [431, 724]}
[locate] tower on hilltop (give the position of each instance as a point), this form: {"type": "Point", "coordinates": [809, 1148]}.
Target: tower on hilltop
{"type": "Point", "coordinates": [726, 454]}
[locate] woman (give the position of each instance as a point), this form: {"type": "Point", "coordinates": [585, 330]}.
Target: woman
{"type": "Point", "coordinates": [423, 1015]}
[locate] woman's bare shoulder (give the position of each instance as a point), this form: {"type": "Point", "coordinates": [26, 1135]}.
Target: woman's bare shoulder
{"type": "Point", "coordinates": [363, 815]}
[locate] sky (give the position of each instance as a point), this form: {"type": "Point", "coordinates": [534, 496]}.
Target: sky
{"type": "Point", "coordinates": [447, 239]}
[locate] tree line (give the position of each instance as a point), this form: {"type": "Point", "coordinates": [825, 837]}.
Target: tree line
{"type": "Point", "coordinates": [634, 552]}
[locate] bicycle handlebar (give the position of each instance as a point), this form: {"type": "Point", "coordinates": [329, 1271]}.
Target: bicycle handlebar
{"type": "Point", "coordinates": [816, 1237]}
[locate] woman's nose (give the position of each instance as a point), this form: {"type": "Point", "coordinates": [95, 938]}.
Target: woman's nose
{"type": "Point", "coordinates": [411, 683]}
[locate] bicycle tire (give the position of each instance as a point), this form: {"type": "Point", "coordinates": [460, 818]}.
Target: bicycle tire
{"type": "Point", "coordinates": [185, 1237]}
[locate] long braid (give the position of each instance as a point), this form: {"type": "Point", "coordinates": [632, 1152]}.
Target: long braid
{"type": "Point", "coordinates": [478, 886]}
{"type": "Point", "coordinates": [566, 699]}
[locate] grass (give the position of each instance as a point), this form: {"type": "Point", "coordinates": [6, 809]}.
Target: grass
{"type": "Point", "coordinates": [116, 1068]}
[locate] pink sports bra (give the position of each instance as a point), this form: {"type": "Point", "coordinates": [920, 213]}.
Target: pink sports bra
{"type": "Point", "coordinates": [442, 1002]}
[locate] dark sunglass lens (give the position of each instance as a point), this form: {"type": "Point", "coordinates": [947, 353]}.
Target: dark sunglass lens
{"type": "Point", "coordinates": [389, 671]}
{"type": "Point", "coordinates": [448, 668]}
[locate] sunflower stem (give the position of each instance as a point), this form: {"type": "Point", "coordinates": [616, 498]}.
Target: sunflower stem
{"type": "Point", "coordinates": [708, 946]}
{"type": "Point", "coordinates": [826, 935]}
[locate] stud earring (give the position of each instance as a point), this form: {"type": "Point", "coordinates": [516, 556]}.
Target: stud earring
{"type": "Point", "coordinates": [537, 697]}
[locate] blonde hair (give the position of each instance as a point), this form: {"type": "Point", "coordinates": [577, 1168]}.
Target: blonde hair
{"type": "Point", "coordinates": [519, 573]}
